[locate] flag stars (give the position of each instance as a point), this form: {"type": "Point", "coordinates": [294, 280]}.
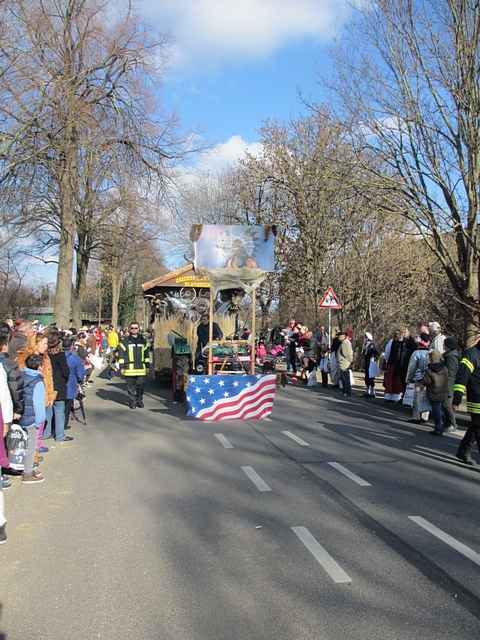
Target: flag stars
{"type": "Point", "coordinates": [235, 384]}
{"type": "Point", "coordinates": [211, 391]}
{"type": "Point", "coordinates": [221, 383]}
{"type": "Point", "coordinates": [198, 390]}
{"type": "Point", "coordinates": [226, 394]}
{"type": "Point", "coordinates": [206, 380]}
{"type": "Point", "coordinates": [202, 400]}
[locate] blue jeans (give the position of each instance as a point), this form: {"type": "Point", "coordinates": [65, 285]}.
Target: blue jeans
{"type": "Point", "coordinates": [437, 414]}
{"type": "Point", "coordinates": [58, 410]}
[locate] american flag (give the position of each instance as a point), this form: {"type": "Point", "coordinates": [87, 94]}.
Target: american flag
{"type": "Point", "coordinates": [228, 397]}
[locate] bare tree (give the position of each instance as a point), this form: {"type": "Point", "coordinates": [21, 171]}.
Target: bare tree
{"type": "Point", "coordinates": [78, 73]}
{"type": "Point", "coordinates": [412, 101]}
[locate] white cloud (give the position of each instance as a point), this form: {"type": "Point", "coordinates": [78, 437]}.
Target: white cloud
{"type": "Point", "coordinates": [225, 154]}
{"type": "Point", "coordinates": [219, 29]}
{"type": "Point", "coordinates": [213, 162]}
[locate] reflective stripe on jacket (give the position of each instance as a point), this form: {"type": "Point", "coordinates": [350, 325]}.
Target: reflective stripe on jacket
{"type": "Point", "coordinates": [468, 380]}
{"type": "Point", "coordinates": [133, 356]}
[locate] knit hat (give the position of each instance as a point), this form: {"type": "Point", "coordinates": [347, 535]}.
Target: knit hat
{"type": "Point", "coordinates": [368, 335]}
{"type": "Point", "coordinates": [451, 343]}
{"type": "Point", "coordinates": [435, 356]}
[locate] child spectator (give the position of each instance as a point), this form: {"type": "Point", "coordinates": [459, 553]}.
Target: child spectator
{"type": "Point", "coordinates": [34, 414]}
{"type": "Point", "coordinates": [324, 365]}
{"type": "Point", "coordinates": [436, 383]}
{"type": "Point", "coordinates": [261, 352]}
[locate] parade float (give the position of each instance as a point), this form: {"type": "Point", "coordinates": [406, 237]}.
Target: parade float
{"type": "Point", "coordinates": [233, 258]}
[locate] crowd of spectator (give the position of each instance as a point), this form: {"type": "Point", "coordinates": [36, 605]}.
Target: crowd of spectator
{"type": "Point", "coordinates": [44, 373]}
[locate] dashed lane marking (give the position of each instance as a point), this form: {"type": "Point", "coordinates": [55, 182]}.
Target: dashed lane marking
{"type": "Point", "coordinates": [349, 474]}
{"type": "Point", "coordinates": [295, 438]}
{"type": "Point", "coordinates": [448, 539]}
{"type": "Point", "coordinates": [226, 444]}
{"type": "Point", "coordinates": [322, 556]}
{"type": "Point", "coordinates": [256, 479]}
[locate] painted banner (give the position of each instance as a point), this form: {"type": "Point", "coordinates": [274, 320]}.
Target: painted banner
{"type": "Point", "coordinates": [234, 247]}
{"type": "Point", "coordinates": [230, 397]}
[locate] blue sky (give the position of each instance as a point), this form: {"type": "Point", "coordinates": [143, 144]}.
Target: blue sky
{"type": "Point", "coordinates": [234, 64]}
{"type": "Point", "coordinates": [237, 98]}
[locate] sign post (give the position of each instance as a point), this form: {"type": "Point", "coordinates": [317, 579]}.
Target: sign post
{"type": "Point", "coordinates": [330, 301]}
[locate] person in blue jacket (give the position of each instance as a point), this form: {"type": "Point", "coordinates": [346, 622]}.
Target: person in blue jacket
{"type": "Point", "coordinates": [34, 414]}
{"type": "Point", "coordinates": [76, 377]}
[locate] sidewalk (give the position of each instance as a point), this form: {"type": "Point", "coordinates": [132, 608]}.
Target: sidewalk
{"type": "Point", "coordinates": [463, 418]}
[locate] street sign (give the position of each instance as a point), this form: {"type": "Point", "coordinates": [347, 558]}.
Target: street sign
{"type": "Point", "coordinates": [330, 300]}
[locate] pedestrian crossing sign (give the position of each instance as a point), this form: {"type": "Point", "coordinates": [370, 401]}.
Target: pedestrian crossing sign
{"type": "Point", "coordinates": [330, 300]}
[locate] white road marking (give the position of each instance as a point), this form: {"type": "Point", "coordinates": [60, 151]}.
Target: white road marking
{"type": "Point", "coordinates": [445, 537]}
{"type": "Point", "coordinates": [322, 556]}
{"type": "Point", "coordinates": [298, 440]}
{"type": "Point", "coordinates": [256, 479]}
{"type": "Point", "coordinates": [223, 441]}
{"type": "Point", "coordinates": [349, 474]}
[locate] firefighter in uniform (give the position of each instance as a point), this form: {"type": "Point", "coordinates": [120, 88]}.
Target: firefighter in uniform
{"type": "Point", "coordinates": [134, 359]}
{"type": "Point", "coordinates": [468, 381]}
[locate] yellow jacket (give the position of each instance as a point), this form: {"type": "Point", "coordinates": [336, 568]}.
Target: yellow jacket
{"type": "Point", "coordinates": [112, 339]}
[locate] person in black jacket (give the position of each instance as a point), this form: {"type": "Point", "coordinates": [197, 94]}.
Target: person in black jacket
{"type": "Point", "coordinates": [451, 357]}
{"type": "Point", "coordinates": [14, 376]}
{"type": "Point", "coordinates": [61, 373]}
{"type": "Point", "coordinates": [468, 382]}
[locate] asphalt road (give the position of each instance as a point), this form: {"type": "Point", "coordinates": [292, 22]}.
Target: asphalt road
{"type": "Point", "coordinates": [331, 520]}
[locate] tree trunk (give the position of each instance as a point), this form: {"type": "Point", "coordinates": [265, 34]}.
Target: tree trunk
{"type": "Point", "coordinates": [80, 284]}
{"type": "Point", "coordinates": [63, 293]}
{"type": "Point", "coordinates": [471, 317]}
{"type": "Point", "coordinates": [116, 285]}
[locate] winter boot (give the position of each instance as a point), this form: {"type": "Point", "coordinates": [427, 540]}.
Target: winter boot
{"type": "Point", "coordinates": [464, 454]}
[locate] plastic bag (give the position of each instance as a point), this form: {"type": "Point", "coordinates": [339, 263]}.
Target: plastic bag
{"type": "Point", "coordinates": [373, 368]}
{"type": "Point", "coordinates": [325, 364]}
{"type": "Point", "coordinates": [312, 378]}
{"type": "Point", "coordinates": [409, 395]}
{"type": "Point", "coordinates": [17, 440]}
{"type": "Point", "coordinates": [97, 362]}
